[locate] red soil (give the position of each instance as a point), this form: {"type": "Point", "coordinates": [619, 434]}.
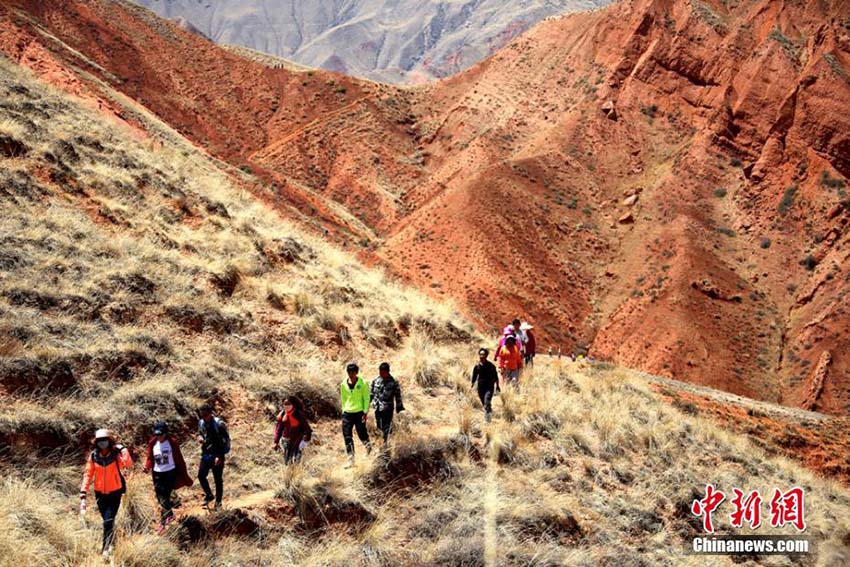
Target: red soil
{"type": "Point", "coordinates": [505, 187]}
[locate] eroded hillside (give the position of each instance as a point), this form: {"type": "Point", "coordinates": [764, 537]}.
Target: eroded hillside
{"type": "Point", "coordinates": [663, 182]}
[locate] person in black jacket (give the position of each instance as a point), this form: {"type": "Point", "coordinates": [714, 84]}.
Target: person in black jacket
{"type": "Point", "coordinates": [214, 440]}
{"type": "Point", "coordinates": [487, 376]}
{"type": "Point", "coordinates": [386, 397]}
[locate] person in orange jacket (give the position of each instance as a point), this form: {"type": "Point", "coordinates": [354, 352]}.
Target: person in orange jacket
{"type": "Point", "coordinates": [168, 469]}
{"type": "Point", "coordinates": [510, 360]}
{"type": "Point", "coordinates": [103, 470]}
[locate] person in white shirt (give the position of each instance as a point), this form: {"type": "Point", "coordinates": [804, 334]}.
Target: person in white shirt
{"type": "Point", "coordinates": [168, 468]}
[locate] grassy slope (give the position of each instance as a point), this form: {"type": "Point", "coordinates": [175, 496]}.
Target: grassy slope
{"type": "Point", "coordinates": [138, 281]}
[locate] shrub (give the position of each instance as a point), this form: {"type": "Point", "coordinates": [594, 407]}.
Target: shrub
{"type": "Point", "coordinates": [809, 262]}
{"type": "Point", "coordinates": [720, 192]}
{"type": "Point", "coordinates": [765, 243]}
{"type": "Point", "coordinates": [831, 182]}
{"type": "Point", "coordinates": [649, 111]}
{"type": "Point", "coordinates": [788, 199]}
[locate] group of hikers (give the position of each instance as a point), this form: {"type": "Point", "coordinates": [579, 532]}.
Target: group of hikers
{"type": "Point", "coordinates": [292, 433]}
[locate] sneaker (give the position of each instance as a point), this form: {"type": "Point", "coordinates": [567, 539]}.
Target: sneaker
{"type": "Point", "coordinates": [349, 462]}
{"type": "Point", "coordinates": [488, 417]}
{"type": "Point", "coordinates": [217, 505]}
{"type": "Point", "coordinates": [160, 529]}
{"type": "Point", "coordinates": [207, 500]}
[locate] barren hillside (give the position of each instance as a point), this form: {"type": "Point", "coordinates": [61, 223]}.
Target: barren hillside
{"type": "Point", "coordinates": [663, 182]}
{"type": "Point", "coordinates": [390, 41]}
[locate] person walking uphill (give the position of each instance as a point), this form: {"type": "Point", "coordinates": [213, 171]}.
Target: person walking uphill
{"type": "Point", "coordinates": [354, 397]}
{"type": "Point", "coordinates": [386, 397]}
{"type": "Point", "coordinates": [293, 431]}
{"type": "Point", "coordinates": [168, 468]}
{"type": "Point", "coordinates": [530, 344]}
{"type": "Point", "coordinates": [215, 444]}
{"type": "Point", "coordinates": [487, 378]}
{"type": "Point", "coordinates": [103, 470]}
{"type": "Point", "coordinates": [510, 360]}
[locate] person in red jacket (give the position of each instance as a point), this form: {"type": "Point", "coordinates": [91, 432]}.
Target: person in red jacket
{"type": "Point", "coordinates": [292, 431]}
{"type": "Point", "coordinates": [103, 470]}
{"type": "Point", "coordinates": [510, 360]}
{"type": "Point", "coordinates": [166, 464]}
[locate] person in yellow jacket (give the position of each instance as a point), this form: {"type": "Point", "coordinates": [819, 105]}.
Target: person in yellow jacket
{"type": "Point", "coordinates": [103, 470]}
{"type": "Point", "coordinates": [354, 399]}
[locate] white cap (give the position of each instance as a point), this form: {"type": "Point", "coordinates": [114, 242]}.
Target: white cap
{"type": "Point", "coordinates": [525, 326]}
{"type": "Point", "coordinates": [102, 434]}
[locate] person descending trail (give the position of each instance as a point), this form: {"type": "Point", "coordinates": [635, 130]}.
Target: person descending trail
{"type": "Point", "coordinates": [168, 468]}
{"type": "Point", "coordinates": [354, 398]}
{"type": "Point", "coordinates": [530, 344]}
{"type": "Point", "coordinates": [386, 397]}
{"type": "Point", "coordinates": [510, 360]}
{"type": "Point", "coordinates": [103, 470]}
{"type": "Point", "coordinates": [292, 431]}
{"type": "Point", "coordinates": [487, 378]}
{"type": "Point", "coordinates": [215, 444]}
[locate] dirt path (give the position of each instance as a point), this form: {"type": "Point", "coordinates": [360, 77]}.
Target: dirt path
{"type": "Point", "coordinates": [324, 119]}
{"type": "Point", "coordinates": [490, 504]}
{"type": "Point", "coordinates": [775, 411]}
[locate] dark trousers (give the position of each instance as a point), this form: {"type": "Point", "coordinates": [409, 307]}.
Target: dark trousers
{"type": "Point", "coordinates": [291, 452]}
{"type": "Point", "coordinates": [108, 505]}
{"type": "Point", "coordinates": [384, 421]}
{"type": "Point", "coordinates": [529, 360]}
{"type": "Point", "coordinates": [207, 465]}
{"type": "Point", "coordinates": [354, 421]}
{"type": "Point", "coordinates": [486, 397]}
{"type": "Point", "coordinates": [163, 485]}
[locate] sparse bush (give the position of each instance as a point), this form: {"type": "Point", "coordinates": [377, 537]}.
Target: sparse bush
{"type": "Point", "coordinates": [809, 262]}
{"type": "Point", "coordinates": [720, 192]}
{"type": "Point", "coordinates": [650, 111]}
{"type": "Point", "coordinates": [788, 199]}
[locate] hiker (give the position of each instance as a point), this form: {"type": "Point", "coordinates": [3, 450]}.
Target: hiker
{"type": "Point", "coordinates": [215, 444]}
{"type": "Point", "coordinates": [293, 431]}
{"type": "Point", "coordinates": [168, 468]}
{"type": "Point", "coordinates": [521, 337]}
{"type": "Point", "coordinates": [103, 469]}
{"type": "Point", "coordinates": [530, 344]}
{"type": "Point", "coordinates": [507, 332]}
{"type": "Point", "coordinates": [488, 382]}
{"type": "Point", "coordinates": [510, 360]}
{"type": "Point", "coordinates": [354, 398]}
{"type": "Point", "coordinates": [386, 397]}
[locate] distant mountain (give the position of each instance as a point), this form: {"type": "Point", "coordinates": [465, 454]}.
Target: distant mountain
{"type": "Point", "coordinates": [394, 41]}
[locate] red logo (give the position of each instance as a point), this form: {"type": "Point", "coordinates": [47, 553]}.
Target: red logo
{"type": "Point", "coordinates": [746, 509]}
{"type": "Point", "coordinates": [707, 506]}
{"type": "Point", "coordinates": [785, 508]}
{"type": "Point", "coordinates": [788, 508]}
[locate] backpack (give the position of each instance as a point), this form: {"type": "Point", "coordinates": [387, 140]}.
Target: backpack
{"type": "Point", "coordinates": [219, 432]}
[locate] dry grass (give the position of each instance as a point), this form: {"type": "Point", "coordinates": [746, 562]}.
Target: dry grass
{"type": "Point", "coordinates": [139, 282]}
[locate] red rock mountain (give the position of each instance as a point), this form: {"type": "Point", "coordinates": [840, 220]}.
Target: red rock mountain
{"type": "Point", "coordinates": [663, 181]}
